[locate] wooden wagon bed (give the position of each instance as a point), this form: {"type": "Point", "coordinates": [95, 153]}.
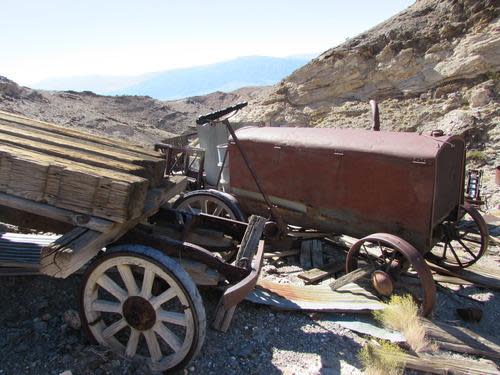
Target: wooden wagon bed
{"type": "Point", "coordinates": [99, 187]}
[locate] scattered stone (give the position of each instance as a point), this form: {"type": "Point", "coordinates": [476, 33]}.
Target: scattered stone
{"type": "Point", "coordinates": [270, 269]}
{"type": "Point", "coordinates": [72, 319]}
{"type": "Point", "coordinates": [42, 304]}
{"type": "Point", "coordinates": [246, 350]}
{"type": "Point", "coordinates": [46, 317]}
{"type": "Point", "coordinates": [40, 326]}
{"type": "Point", "coordinates": [67, 359]}
{"type": "Point", "coordinates": [426, 95]}
{"type": "Point", "coordinates": [480, 97]}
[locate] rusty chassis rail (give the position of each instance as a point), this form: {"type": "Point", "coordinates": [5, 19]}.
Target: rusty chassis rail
{"type": "Point", "coordinates": [174, 248]}
{"type": "Point", "coordinates": [184, 222]}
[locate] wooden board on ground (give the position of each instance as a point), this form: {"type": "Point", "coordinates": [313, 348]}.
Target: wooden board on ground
{"type": "Point", "coordinates": [460, 339]}
{"type": "Point", "coordinates": [281, 254]}
{"type": "Point", "coordinates": [438, 365]}
{"type": "Point", "coordinates": [479, 275]}
{"type": "Point", "coordinates": [351, 298]}
{"type": "Point", "coordinates": [317, 274]}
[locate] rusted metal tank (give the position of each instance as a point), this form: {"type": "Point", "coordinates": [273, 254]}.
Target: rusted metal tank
{"type": "Point", "coordinates": [352, 181]}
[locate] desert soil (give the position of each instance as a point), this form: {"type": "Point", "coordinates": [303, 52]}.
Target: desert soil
{"type": "Point", "coordinates": [36, 336]}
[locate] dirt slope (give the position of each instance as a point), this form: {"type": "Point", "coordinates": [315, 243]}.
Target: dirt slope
{"type": "Point", "coordinates": [139, 119]}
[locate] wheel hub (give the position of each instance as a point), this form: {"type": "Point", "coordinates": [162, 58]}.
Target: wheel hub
{"type": "Point", "coordinates": [382, 283]}
{"type": "Point", "coordinates": [450, 231]}
{"type": "Point", "coordinates": [139, 313]}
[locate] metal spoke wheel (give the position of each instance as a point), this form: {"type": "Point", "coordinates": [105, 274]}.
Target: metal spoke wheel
{"type": "Point", "coordinates": [387, 257]}
{"type": "Point", "coordinates": [212, 202]}
{"type": "Point", "coordinates": [141, 303]}
{"type": "Point", "coordinates": [464, 241]}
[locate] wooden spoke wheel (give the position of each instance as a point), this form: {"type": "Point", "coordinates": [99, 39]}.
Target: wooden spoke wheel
{"type": "Point", "coordinates": [463, 242]}
{"type": "Point", "coordinates": [386, 257]}
{"type": "Point", "coordinates": [212, 202]}
{"type": "Point", "coordinates": [215, 203]}
{"type": "Point", "coordinates": [141, 303]}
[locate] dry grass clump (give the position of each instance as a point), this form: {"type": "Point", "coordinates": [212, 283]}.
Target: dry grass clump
{"type": "Point", "coordinates": [401, 314]}
{"type": "Point", "coordinates": [383, 358]}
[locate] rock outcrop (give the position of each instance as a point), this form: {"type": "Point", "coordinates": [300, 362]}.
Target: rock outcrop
{"type": "Point", "coordinates": [432, 43]}
{"type": "Point", "coordinates": [434, 65]}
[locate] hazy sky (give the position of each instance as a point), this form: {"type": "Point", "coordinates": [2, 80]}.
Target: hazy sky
{"type": "Point", "coordinates": [49, 38]}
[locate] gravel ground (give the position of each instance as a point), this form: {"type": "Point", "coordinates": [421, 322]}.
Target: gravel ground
{"type": "Point", "coordinates": [36, 338]}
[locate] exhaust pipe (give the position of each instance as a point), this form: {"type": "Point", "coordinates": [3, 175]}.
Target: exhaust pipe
{"type": "Point", "coordinates": [375, 116]}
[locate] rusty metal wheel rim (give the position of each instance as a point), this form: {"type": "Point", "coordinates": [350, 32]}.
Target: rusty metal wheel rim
{"type": "Point", "coordinates": [407, 253]}
{"type": "Point", "coordinates": [464, 241]}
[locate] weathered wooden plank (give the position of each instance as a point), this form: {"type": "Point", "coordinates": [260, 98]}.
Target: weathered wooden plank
{"type": "Point", "coordinates": [75, 155]}
{"type": "Point", "coordinates": [160, 196]}
{"type": "Point", "coordinates": [305, 255]}
{"type": "Point", "coordinates": [476, 274]}
{"type": "Point", "coordinates": [58, 129]}
{"type": "Point", "coordinates": [71, 185]}
{"type": "Point", "coordinates": [351, 277]}
{"type": "Point", "coordinates": [250, 240]}
{"type": "Point", "coordinates": [439, 365]}
{"type": "Point", "coordinates": [317, 274]}
{"type": "Point", "coordinates": [60, 214]}
{"type": "Point", "coordinates": [460, 339]}
{"type": "Point", "coordinates": [149, 167]}
{"type": "Point", "coordinates": [64, 258]}
{"type": "Point", "coordinates": [281, 254]}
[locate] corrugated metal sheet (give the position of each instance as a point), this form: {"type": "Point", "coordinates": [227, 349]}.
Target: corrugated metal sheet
{"type": "Point", "coordinates": [350, 298]}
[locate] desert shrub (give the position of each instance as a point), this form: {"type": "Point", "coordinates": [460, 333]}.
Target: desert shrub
{"type": "Point", "coordinates": [477, 156]}
{"type": "Point", "coordinates": [401, 314]}
{"type": "Point", "coordinates": [383, 358]}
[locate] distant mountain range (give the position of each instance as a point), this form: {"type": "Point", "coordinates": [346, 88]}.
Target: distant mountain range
{"type": "Point", "coordinates": [181, 83]}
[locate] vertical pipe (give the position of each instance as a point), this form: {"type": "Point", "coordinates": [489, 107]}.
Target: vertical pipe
{"type": "Point", "coordinates": [375, 116]}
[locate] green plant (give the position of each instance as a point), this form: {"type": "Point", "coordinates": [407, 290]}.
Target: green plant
{"type": "Point", "coordinates": [382, 358]}
{"type": "Point", "coordinates": [477, 156]}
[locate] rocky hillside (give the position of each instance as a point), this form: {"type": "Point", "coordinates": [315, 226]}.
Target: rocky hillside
{"type": "Point", "coordinates": [434, 65]}
{"type": "Point", "coordinates": [139, 119]}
